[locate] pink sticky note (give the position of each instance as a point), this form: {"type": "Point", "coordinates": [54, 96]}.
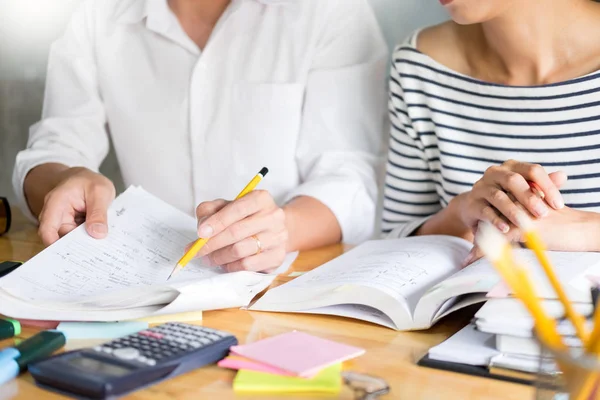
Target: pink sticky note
{"type": "Point", "coordinates": [500, 291]}
{"type": "Point", "coordinates": [236, 362]}
{"type": "Point", "coordinates": [297, 352]}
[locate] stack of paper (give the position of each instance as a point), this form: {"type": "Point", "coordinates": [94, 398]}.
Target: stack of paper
{"type": "Point", "coordinates": [124, 276]}
{"type": "Point", "coordinates": [291, 362]}
{"type": "Point", "coordinates": [512, 326]}
{"type": "Point", "coordinates": [502, 337]}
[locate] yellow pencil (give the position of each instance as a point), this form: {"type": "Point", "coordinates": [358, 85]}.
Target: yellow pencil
{"type": "Point", "coordinates": [533, 241]}
{"type": "Point", "coordinates": [198, 244]}
{"type": "Point", "coordinates": [498, 250]}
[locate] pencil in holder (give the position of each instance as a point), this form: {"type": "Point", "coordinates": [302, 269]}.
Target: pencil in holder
{"type": "Point", "coordinates": [574, 375]}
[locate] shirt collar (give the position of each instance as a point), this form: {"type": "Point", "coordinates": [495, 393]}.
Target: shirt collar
{"type": "Point", "coordinates": [134, 11]}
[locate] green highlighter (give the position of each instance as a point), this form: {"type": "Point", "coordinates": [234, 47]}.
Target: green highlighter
{"type": "Point", "coordinates": [9, 328]}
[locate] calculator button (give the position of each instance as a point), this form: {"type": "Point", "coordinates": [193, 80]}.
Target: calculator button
{"type": "Point", "coordinates": [142, 359]}
{"type": "Point", "coordinates": [126, 353]}
{"type": "Point", "coordinates": [107, 350]}
{"type": "Point", "coordinates": [195, 344]}
{"type": "Point", "coordinates": [151, 362]}
{"type": "Point", "coordinates": [98, 348]}
{"type": "Point", "coordinates": [204, 341]}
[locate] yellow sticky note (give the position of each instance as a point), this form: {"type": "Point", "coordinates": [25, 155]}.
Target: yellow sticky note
{"type": "Point", "coordinates": [192, 316]}
{"type": "Point", "coordinates": [327, 381]}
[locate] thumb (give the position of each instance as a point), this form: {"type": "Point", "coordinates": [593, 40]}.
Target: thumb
{"type": "Point", "coordinates": [96, 221]}
{"type": "Point", "coordinates": [559, 178]}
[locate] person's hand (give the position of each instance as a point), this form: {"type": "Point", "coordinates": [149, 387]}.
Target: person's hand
{"type": "Point", "coordinates": [495, 197]}
{"type": "Point", "coordinates": [246, 234]}
{"type": "Point", "coordinates": [81, 195]}
{"type": "Point", "coordinates": [566, 229]}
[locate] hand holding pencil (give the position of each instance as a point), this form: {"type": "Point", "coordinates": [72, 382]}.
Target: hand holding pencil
{"type": "Point", "coordinates": [248, 233]}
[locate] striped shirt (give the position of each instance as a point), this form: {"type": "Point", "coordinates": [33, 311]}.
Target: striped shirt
{"type": "Point", "coordinates": [448, 128]}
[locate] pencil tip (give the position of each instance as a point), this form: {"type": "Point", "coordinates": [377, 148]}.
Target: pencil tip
{"type": "Point", "coordinates": [177, 267]}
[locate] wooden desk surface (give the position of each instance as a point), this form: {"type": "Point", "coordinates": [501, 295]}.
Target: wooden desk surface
{"type": "Point", "coordinates": [389, 354]}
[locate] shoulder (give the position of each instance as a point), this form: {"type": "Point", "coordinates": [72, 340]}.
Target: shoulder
{"type": "Point", "coordinates": [442, 44]}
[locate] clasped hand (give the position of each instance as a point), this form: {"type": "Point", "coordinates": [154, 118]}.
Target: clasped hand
{"type": "Point", "coordinates": [504, 191]}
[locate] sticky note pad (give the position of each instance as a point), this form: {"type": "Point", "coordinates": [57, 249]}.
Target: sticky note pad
{"type": "Point", "coordinates": [328, 380]}
{"type": "Point", "coordinates": [297, 352]}
{"type": "Point", "coordinates": [100, 330]}
{"type": "Point", "coordinates": [237, 363]}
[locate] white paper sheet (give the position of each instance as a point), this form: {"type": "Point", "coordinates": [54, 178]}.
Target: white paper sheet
{"type": "Point", "coordinates": [127, 270]}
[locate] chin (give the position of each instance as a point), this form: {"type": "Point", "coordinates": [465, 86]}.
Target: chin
{"type": "Point", "coordinates": [467, 12]}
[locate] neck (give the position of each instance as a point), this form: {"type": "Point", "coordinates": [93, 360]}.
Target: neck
{"type": "Point", "coordinates": [535, 40]}
{"type": "Point", "coordinates": [205, 12]}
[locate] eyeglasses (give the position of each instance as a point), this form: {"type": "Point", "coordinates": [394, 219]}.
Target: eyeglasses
{"type": "Point", "coordinates": [5, 216]}
{"type": "Point", "coordinates": [365, 387]}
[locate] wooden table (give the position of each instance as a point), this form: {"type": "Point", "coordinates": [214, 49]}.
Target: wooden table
{"type": "Point", "coordinates": [390, 354]}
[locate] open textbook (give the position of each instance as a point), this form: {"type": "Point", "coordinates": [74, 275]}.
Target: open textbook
{"type": "Point", "coordinates": [124, 276]}
{"type": "Point", "coordinates": [411, 283]}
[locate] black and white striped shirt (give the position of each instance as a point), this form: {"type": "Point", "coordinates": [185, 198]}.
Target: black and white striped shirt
{"type": "Point", "coordinates": [448, 128]}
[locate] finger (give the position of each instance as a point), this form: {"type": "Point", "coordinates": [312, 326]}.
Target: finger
{"type": "Point", "coordinates": [51, 220]}
{"type": "Point", "coordinates": [559, 178]}
{"type": "Point", "coordinates": [261, 262]}
{"type": "Point", "coordinates": [517, 185]}
{"type": "Point", "coordinates": [235, 211]}
{"type": "Point", "coordinates": [97, 202]}
{"type": "Point", "coordinates": [536, 173]}
{"type": "Point", "coordinates": [245, 228]}
{"type": "Point", "coordinates": [492, 212]}
{"type": "Point", "coordinates": [248, 247]}
{"type": "Point", "coordinates": [66, 228]}
{"type": "Point", "coordinates": [474, 255]}
{"type": "Point", "coordinates": [208, 208]}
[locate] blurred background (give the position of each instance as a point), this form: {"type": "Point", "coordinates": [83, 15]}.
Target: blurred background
{"type": "Point", "coordinates": [28, 27]}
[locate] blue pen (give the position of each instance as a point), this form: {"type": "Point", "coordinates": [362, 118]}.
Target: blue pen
{"type": "Point", "coordinates": [15, 360]}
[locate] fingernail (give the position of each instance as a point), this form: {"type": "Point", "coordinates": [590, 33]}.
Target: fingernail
{"type": "Point", "coordinates": [558, 203]}
{"type": "Point", "coordinates": [206, 231]}
{"type": "Point", "coordinates": [541, 210]}
{"type": "Point", "coordinates": [99, 229]}
{"type": "Point", "coordinates": [504, 228]}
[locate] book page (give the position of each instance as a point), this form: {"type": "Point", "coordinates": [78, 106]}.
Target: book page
{"type": "Point", "coordinates": [145, 241]}
{"type": "Point", "coordinates": [402, 268]}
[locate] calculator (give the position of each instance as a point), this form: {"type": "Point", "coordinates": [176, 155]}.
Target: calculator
{"type": "Point", "coordinates": [123, 365]}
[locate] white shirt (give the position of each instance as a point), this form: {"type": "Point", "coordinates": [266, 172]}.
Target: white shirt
{"type": "Point", "coordinates": [297, 86]}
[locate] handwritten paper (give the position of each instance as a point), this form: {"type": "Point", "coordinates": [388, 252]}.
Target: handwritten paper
{"type": "Point", "coordinates": [124, 276]}
{"type": "Point", "coordinates": [144, 244]}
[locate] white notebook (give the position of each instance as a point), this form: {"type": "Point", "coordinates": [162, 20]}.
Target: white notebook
{"type": "Point", "coordinates": [411, 283]}
{"type": "Point", "coordinates": [124, 276]}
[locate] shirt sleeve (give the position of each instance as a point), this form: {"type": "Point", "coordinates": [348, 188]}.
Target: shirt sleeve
{"type": "Point", "coordinates": [410, 195]}
{"type": "Point", "coordinates": [72, 130]}
{"type": "Point", "coordinates": [340, 144]}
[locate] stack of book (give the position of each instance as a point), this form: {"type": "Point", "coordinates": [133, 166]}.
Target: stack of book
{"type": "Point", "coordinates": [500, 343]}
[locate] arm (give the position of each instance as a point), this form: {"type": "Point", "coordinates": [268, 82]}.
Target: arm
{"type": "Point", "coordinates": [71, 132]}
{"type": "Point", "coordinates": [340, 142]}
{"type": "Point", "coordinates": [411, 203]}
{"type": "Point", "coordinates": [310, 224]}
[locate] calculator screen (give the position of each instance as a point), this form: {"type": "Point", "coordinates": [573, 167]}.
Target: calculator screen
{"type": "Point", "coordinates": [98, 367]}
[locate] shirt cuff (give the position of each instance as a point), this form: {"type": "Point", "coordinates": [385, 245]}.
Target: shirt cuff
{"type": "Point", "coordinates": [406, 229]}
{"type": "Point", "coordinates": [349, 202]}
{"type": "Point", "coordinates": [26, 163]}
